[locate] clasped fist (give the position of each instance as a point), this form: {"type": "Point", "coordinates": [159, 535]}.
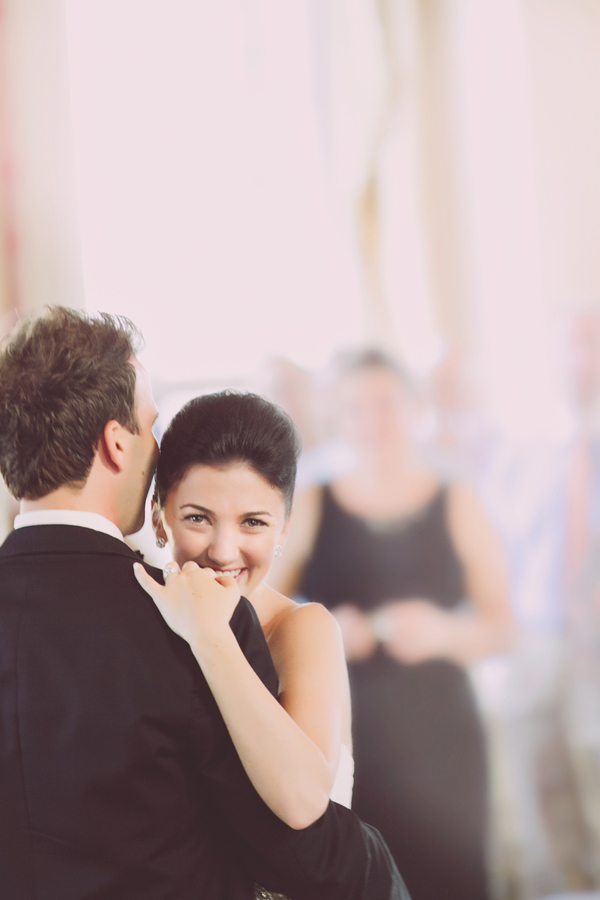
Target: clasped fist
{"type": "Point", "coordinates": [194, 602]}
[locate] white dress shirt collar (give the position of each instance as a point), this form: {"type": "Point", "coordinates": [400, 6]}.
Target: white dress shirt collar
{"type": "Point", "coordinates": [68, 517]}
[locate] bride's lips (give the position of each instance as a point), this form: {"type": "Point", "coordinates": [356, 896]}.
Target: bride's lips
{"type": "Point", "coordinates": [229, 573]}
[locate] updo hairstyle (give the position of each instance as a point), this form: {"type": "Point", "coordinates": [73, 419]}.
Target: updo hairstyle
{"type": "Point", "coordinates": [225, 428]}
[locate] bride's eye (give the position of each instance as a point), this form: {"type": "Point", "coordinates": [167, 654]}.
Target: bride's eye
{"type": "Point", "coordinates": [196, 518]}
{"type": "Point", "coordinates": [255, 523]}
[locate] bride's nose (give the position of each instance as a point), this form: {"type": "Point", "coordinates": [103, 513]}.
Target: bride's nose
{"type": "Point", "coordinates": [223, 549]}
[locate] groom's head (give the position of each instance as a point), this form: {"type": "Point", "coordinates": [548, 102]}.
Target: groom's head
{"type": "Point", "coordinates": [71, 388]}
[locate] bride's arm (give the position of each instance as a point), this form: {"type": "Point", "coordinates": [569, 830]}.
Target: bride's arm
{"type": "Point", "coordinates": [289, 750]}
{"type": "Point", "coordinates": [308, 654]}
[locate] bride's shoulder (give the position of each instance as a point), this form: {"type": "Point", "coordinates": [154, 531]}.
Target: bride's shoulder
{"type": "Point", "coordinates": [303, 623]}
{"type": "Point", "coordinates": [310, 614]}
{"type": "Point", "coordinates": [307, 649]}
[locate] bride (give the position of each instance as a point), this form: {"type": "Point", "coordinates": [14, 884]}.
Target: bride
{"type": "Point", "coordinates": [223, 497]}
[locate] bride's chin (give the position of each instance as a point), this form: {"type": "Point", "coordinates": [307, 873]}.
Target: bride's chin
{"type": "Point", "coordinates": [242, 579]}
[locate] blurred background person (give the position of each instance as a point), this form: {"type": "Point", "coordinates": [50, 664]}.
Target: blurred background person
{"type": "Point", "coordinates": [454, 435]}
{"type": "Point", "coordinates": [538, 700]}
{"type": "Point", "coordinates": [538, 838]}
{"type": "Point", "coordinates": [301, 393]}
{"type": "Point", "coordinates": [537, 845]}
{"type": "Point", "coordinates": [416, 577]}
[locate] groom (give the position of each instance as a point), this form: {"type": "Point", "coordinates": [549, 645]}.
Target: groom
{"type": "Point", "coordinates": [118, 780]}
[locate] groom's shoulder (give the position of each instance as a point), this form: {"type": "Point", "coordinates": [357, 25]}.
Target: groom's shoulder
{"type": "Point", "coordinates": [90, 562]}
{"type": "Point", "coordinates": [246, 626]}
{"type": "Point", "coordinates": [62, 539]}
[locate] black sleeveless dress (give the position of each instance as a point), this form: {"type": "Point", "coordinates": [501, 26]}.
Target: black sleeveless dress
{"type": "Point", "coordinates": [419, 751]}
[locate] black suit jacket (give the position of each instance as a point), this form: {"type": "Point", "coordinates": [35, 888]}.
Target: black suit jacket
{"type": "Point", "coordinates": [118, 779]}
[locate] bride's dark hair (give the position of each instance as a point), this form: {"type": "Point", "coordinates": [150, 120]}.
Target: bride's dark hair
{"type": "Point", "coordinates": [230, 427]}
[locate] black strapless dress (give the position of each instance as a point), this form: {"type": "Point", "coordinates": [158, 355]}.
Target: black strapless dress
{"type": "Point", "coordinates": [419, 751]}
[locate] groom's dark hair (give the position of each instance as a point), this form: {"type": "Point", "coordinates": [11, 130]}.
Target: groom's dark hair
{"type": "Point", "coordinates": [63, 376]}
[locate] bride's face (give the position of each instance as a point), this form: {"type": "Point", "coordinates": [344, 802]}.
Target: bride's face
{"type": "Point", "coordinates": [228, 519]}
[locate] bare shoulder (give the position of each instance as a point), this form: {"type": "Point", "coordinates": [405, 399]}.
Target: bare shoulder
{"type": "Point", "coordinates": [462, 497]}
{"type": "Point", "coordinates": [306, 620]}
{"type": "Point", "coordinates": [302, 634]}
{"type": "Point", "coordinates": [272, 608]}
{"type": "Point", "coordinates": [465, 509]}
{"type": "Point", "coordinates": [307, 651]}
{"type": "Point", "coordinates": [469, 524]}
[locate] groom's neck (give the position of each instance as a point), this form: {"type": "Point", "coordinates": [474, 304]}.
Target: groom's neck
{"type": "Point", "coordinates": [82, 499]}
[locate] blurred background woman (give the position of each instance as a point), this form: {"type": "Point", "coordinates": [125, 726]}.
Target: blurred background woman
{"type": "Point", "coordinates": [415, 575]}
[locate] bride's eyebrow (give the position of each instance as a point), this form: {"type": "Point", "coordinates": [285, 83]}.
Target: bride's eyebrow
{"type": "Point", "coordinates": [209, 512]}
{"type": "Point", "coordinates": [201, 509]}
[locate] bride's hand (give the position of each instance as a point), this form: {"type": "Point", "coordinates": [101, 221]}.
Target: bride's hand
{"type": "Point", "coordinates": [194, 603]}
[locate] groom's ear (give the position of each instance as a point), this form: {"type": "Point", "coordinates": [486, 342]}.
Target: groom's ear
{"type": "Point", "coordinates": [113, 446]}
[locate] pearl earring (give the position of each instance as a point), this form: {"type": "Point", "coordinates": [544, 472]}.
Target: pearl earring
{"type": "Point", "coordinates": [278, 549]}
{"type": "Point", "coordinates": [160, 542]}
